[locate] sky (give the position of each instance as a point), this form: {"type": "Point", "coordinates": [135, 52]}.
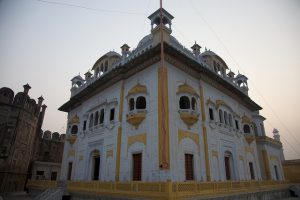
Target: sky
{"type": "Point", "coordinates": [46, 43]}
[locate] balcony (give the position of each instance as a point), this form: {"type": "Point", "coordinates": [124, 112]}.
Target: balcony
{"type": "Point", "coordinates": [249, 138]}
{"type": "Point", "coordinates": [135, 117]}
{"type": "Point", "coordinates": [71, 139]}
{"type": "Point", "coordinates": [189, 116]}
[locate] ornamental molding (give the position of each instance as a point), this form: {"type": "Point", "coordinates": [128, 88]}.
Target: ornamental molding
{"type": "Point", "coordinates": [214, 154]}
{"type": "Point", "coordinates": [186, 134]}
{"type": "Point", "coordinates": [142, 138]}
{"type": "Point", "coordinates": [74, 120]}
{"type": "Point", "coordinates": [71, 152]}
{"type": "Point", "coordinates": [138, 89]}
{"type": "Point", "coordinates": [186, 88]}
{"type": "Point", "coordinates": [273, 157]}
{"type": "Point", "coordinates": [71, 139]}
{"type": "Point", "coordinates": [249, 150]}
{"type": "Point", "coordinates": [269, 141]}
{"type": "Point", "coordinates": [135, 119]}
{"type": "Point", "coordinates": [246, 120]}
{"type": "Point", "coordinates": [109, 153]}
{"type": "Point", "coordinates": [189, 118]}
{"type": "Point", "coordinates": [249, 138]}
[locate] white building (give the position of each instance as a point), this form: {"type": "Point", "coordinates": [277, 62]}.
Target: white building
{"type": "Point", "coordinates": [187, 118]}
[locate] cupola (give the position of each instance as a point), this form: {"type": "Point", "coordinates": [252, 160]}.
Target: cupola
{"type": "Point", "coordinates": [166, 19]}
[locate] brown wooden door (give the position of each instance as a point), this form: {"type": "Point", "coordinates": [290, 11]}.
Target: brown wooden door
{"type": "Point", "coordinates": [227, 167]}
{"type": "Point", "coordinates": [189, 169]}
{"type": "Point", "coordinates": [137, 167]}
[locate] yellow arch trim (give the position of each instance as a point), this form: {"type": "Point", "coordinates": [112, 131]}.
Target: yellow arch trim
{"type": "Point", "coordinates": [138, 89]}
{"type": "Point", "coordinates": [185, 88]}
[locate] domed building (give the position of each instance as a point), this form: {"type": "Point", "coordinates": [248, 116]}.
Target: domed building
{"type": "Point", "coordinates": [173, 115]}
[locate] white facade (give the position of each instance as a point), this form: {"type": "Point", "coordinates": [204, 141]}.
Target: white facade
{"type": "Point", "coordinates": [215, 132]}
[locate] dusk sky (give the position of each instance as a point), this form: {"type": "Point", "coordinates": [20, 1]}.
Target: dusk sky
{"type": "Point", "coordinates": [46, 43]}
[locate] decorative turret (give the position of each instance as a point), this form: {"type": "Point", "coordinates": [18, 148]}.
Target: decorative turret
{"type": "Point", "coordinates": [88, 76]}
{"type": "Point", "coordinates": [26, 88]}
{"type": "Point", "coordinates": [166, 20]}
{"type": "Point", "coordinates": [241, 80]}
{"type": "Point", "coordinates": [125, 50]}
{"type": "Point", "coordinates": [231, 75]}
{"type": "Point", "coordinates": [196, 49]}
{"type": "Point", "coordinates": [276, 135]}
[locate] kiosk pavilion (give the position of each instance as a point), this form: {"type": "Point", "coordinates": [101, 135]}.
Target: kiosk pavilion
{"type": "Point", "coordinates": [186, 118]}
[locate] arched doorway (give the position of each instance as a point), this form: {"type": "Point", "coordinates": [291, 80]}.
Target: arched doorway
{"type": "Point", "coordinates": [228, 162]}
{"type": "Point", "coordinates": [95, 163]}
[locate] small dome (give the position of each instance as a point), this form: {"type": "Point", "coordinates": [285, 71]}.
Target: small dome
{"type": "Point", "coordinates": [111, 53]}
{"type": "Point", "coordinates": [145, 39]}
{"type": "Point", "coordinates": [212, 54]}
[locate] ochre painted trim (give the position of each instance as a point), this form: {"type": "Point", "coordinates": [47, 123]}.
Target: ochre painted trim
{"type": "Point", "coordinates": [135, 119]}
{"type": "Point", "coordinates": [266, 163]}
{"type": "Point", "coordinates": [207, 167]}
{"type": "Point", "coordinates": [246, 119]}
{"type": "Point", "coordinates": [109, 153]}
{"type": "Point", "coordinates": [206, 153]}
{"type": "Point", "coordinates": [118, 157]}
{"type": "Point", "coordinates": [136, 138]}
{"type": "Point", "coordinates": [71, 139]}
{"type": "Point", "coordinates": [273, 157]}
{"type": "Point", "coordinates": [162, 190]}
{"type": "Point", "coordinates": [74, 120]}
{"type": "Point", "coordinates": [163, 119]}
{"type": "Point", "coordinates": [186, 134]}
{"type": "Point", "coordinates": [119, 136]}
{"type": "Point", "coordinates": [71, 152]}
{"type": "Point", "coordinates": [202, 104]}
{"type": "Point", "coordinates": [249, 150]}
{"type": "Point", "coordinates": [137, 89]}
{"type": "Point", "coordinates": [214, 154]}
{"type": "Point", "coordinates": [186, 88]}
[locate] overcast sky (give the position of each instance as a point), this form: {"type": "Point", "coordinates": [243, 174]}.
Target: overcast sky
{"type": "Point", "coordinates": [46, 44]}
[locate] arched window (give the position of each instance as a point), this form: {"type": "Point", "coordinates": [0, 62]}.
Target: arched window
{"type": "Point", "coordinates": [96, 118]}
{"type": "Point", "coordinates": [230, 120]}
{"type": "Point", "coordinates": [101, 116]}
{"type": "Point", "coordinates": [102, 68]}
{"type": "Point", "coordinates": [141, 102]}
{"type": "Point", "coordinates": [97, 71]}
{"type": "Point", "coordinates": [74, 129]}
{"type": "Point", "coordinates": [131, 104]}
{"type": "Point", "coordinates": [221, 116]}
{"type": "Point", "coordinates": [194, 103]}
{"type": "Point", "coordinates": [246, 128]}
{"type": "Point", "coordinates": [225, 117]}
{"type": "Point", "coordinates": [184, 102]}
{"type": "Point", "coordinates": [91, 120]}
{"type": "Point", "coordinates": [106, 65]}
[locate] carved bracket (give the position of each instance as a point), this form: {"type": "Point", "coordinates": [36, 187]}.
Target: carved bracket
{"type": "Point", "coordinates": [135, 119]}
